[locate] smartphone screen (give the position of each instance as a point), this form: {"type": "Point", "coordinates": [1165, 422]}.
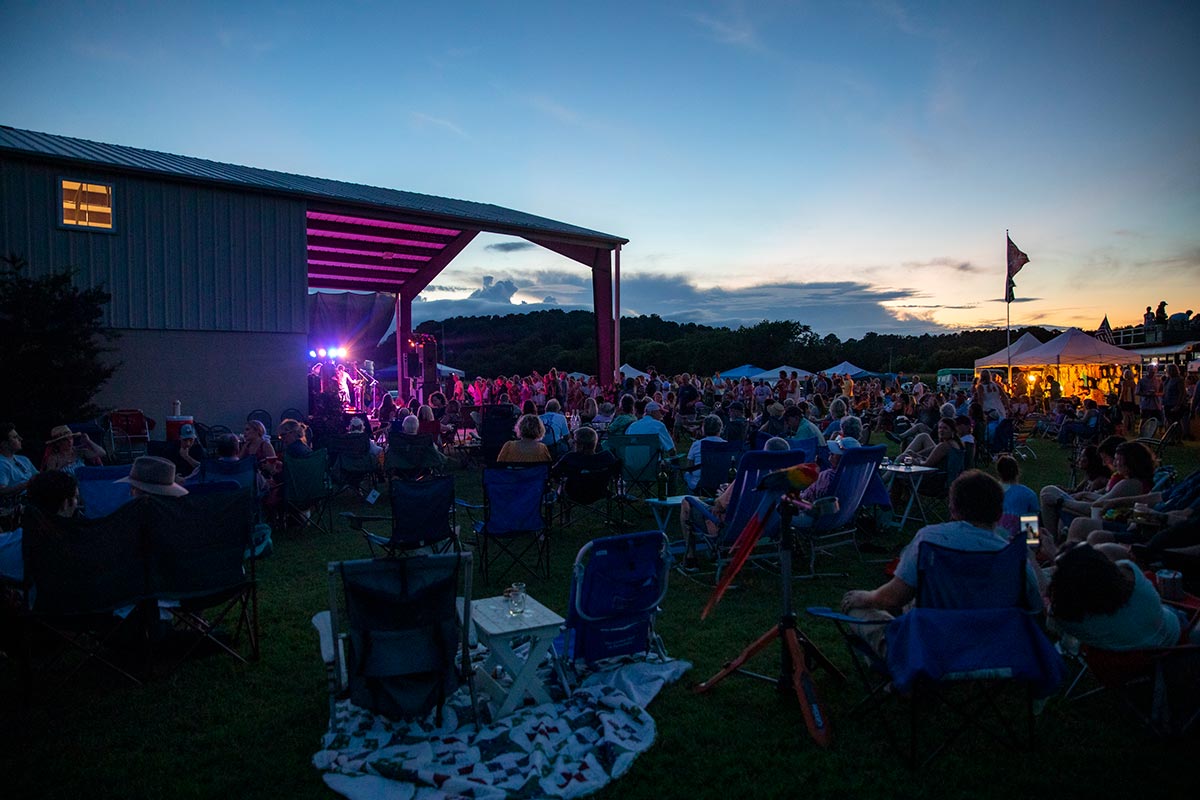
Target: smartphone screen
{"type": "Point", "coordinates": [1029, 526]}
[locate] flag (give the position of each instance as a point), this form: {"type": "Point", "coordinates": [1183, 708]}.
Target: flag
{"type": "Point", "coordinates": [1104, 332]}
{"type": "Point", "coordinates": [1016, 260]}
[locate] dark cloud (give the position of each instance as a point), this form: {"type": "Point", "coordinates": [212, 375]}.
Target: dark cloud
{"type": "Point", "coordinates": [510, 247]}
{"type": "Point", "coordinates": [944, 262]}
{"type": "Point", "coordinates": [846, 308]}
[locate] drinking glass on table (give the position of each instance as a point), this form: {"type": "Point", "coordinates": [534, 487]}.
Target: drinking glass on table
{"type": "Point", "coordinates": [516, 599]}
{"type": "Point", "coordinates": [908, 462]}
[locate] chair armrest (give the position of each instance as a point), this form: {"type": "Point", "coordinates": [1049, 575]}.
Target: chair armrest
{"type": "Point", "coordinates": [356, 521]}
{"type": "Point", "coordinates": [324, 625]}
{"type": "Point", "coordinates": [464, 504]}
{"type": "Point", "coordinates": [822, 612]}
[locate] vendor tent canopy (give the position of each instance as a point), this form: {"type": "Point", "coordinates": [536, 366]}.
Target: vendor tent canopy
{"type": "Point", "coordinates": [744, 371]}
{"type": "Point", "coordinates": [846, 368]}
{"type": "Point", "coordinates": [389, 373]}
{"type": "Point", "coordinates": [579, 376]}
{"type": "Point", "coordinates": [772, 375]}
{"type": "Point", "coordinates": [1073, 347]}
{"type": "Point", "coordinates": [1000, 358]}
{"type": "Point", "coordinates": [631, 372]}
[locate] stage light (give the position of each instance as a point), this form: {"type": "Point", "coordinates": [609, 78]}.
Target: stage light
{"type": "Point", "coordinates": [312, 353]}
{"type": "Point", "coordinates": [321, 352]}
{"type": "Point", "coordinates": [341, 352]}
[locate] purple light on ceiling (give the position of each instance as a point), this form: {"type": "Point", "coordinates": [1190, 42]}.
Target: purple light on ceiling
{"type": "Point", "coordinates": [380, 223]}
{"type": "Point", "coordinates": [364, 267]}
{"type": "Point", "coordinates": [364, 237]}
{"type": "Point", "coordinates": [367, 253]}
{"type": "Point", "coordinates": [347, 278]}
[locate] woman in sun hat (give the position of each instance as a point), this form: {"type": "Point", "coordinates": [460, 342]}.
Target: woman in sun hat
{"type": "Point", "coordinates": [153, 475]}
{"type": "Point", "coordinates": [67, 451]}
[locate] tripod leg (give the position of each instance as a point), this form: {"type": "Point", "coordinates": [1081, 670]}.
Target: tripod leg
{"type": "Point", "coordinates": [814, 653]}
{"type": "Point", "coordinates": [736, 664]}
{"type": "Point", "coordinates": [806, 692]}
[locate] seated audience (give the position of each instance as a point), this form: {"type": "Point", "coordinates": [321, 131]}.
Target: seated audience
{"type": "Point", "coordinates": [558, 433]}
{"type": "Point", "coordinates": [799, 426]}
{"type": "Point", "coordinates": [625, 416]}
{"type": "Point", "coordinates": [652, 422]}
{"type": "Point", "coordinates": [291, 435]}
{"type": "Point", "coordinates": [153, 475]}
{"type": "Point", "coordinates": [53, 493]}
{"type": "Point", "coordinates": [851, 431]}
{"type": "Point", "coordinates": [186, 454]}
{"type": "Point", "coordinates": [15, 470]}
{"type": "Point", "coordinates": [255, 443]}
{"type": "Point", "coordinates": [1019, 500]}
{"type": "Point", "coordinates": [358, 426]}
{"type": "Point", "coordinates": [528, 449]}
{"type": "Point", "coordinates": [584, 456]}
{"type": "Point", "coordinates": [67, 451]}
{"type": "Point", "coordinates": [976, 504]}
{"type": "Point", "coordinates": [925, 452]}
{"type": "Point", "coordinates": [1133, 461]}
{"type": "Point", "coordinates": [1110, 605]}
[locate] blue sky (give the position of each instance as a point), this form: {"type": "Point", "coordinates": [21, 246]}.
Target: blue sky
{"type": "Point", "coordinates": [850, 165]}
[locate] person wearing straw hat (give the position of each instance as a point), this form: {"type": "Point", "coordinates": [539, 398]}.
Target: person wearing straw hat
{"type": "Point", "coordinates": [153, 475]}
{"type": "Point", "coordinates": [67, 451]}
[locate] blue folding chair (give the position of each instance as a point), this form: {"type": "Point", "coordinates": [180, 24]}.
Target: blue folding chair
{"type": "Point", "coordinates": [970, 628]}
{"type": "Point", "coordinates": [617, 586]}
{"type": "Point", "coordinates": [717, 461]}
{"type": "Point", "coordinates": [241, 472]}
{"type": "Point", "coordinates": [422, 517]}
{"type": "Point", "coordinates": [832, 520]}
{"type": "Point", "coordinates": [744, 503]}
{"type": "Point", "coordinates": [99, 493]}
{"type": "Point", "coordinates": [515, 519]}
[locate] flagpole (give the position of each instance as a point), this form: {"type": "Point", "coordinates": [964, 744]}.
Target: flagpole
{"type": "Point", "coordinates": [1007, 312]}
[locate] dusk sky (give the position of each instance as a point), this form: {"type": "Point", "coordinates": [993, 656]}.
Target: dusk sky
{"type": "Point", "coordinates": [849, 165]}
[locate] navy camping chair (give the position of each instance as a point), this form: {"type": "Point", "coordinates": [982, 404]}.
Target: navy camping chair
{"type": "Point", "coordinates": [515, 519]}
{"type": "Point", "coordinates": [617, 586]}
{"type": "Point", "coordinates": [744, 503]}
{"type": "Point", "coordinates": [718, 460]}
{"type": "Point", "coordinates": [392, 642]}
{"type": "Point", "coordinates": [242, 472]}
{"type": "Point", "coordinates": [641, 461]}
{"type": "Point", "coordinates": [99, 493]}
{"type": "Point", "coordinates": [422, 516]}
{"type": "Point", "coordinates": [833, 519]}
{"type": "Point", "coordinates": [969, 630]}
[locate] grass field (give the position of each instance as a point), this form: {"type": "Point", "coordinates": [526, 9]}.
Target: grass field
{"type": "Point", "coordinates": [218, 729]}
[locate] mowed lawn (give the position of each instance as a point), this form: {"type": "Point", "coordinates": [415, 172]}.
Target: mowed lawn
{"type": "Point", "coordinates": [219, 729]}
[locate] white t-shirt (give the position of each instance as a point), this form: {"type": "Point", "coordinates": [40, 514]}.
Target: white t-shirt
{"type": "Point", "coordinates": [693, 455]}
{"type": "Point", "coordinates": [15, 469]}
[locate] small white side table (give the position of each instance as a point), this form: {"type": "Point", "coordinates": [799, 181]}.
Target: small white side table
{"type": "Point", "coordinates": [498, 630]}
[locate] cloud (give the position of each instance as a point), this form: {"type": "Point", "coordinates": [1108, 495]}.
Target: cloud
{"type": "Point", "coordinates": [739, 31]}
{"type": "Point", "coordinates": [421, 120]}
{"type": "Point", "coordinates": [954, 264]}
{"type": "Point", "coordinates": [511, 247]}
{"type": "Point", "coordinates": [846, 308]}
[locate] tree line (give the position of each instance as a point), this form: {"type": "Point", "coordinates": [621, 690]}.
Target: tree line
{"type": "Point", "coordinates": [518, 343]}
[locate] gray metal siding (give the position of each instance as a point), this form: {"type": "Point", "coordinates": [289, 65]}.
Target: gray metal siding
{"type": "Point", "coordinates": [182, 257]}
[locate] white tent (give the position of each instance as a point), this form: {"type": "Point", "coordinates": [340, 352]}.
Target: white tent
{"type": "Point", "coordinates": [579, 376]}
{"type": "Point", "coordinates": [1000, 358]}
{"type": "Point", "coordinates": [845, 368]}
{"type": "Point", "coordinates": [772, 375]}
{"type": "Point", "coordinates": [630, 372]}
{"type": "Point", "coordinates": [744, 371]}
{"type": "Point", "coordinates": [1073, 347]}
{"type": "Point", "coordinates": [443, 371]}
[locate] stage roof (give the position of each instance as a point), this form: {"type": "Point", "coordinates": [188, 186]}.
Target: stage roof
{"type": "Point", "coordinates": [360, 237]}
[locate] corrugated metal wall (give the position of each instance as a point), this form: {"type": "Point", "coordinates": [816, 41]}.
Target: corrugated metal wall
{"type": "Point", "coordinates": [182, 257]}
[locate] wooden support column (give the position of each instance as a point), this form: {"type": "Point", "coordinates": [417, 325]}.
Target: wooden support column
{"type": "Point", "coordinates": [403, 334]}
{"type": "Point", "coordinates": [602, 303]}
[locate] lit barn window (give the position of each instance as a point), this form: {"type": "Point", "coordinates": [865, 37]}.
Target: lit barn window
{"type": "Point", "coordinates": [87, 205]}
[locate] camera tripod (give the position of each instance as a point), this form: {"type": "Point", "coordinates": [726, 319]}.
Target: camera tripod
{"type": "Point", "coordinates": [798, 653]}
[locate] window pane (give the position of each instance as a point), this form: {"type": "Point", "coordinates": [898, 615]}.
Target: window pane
{"type": "Point", "coordinates": [87, 205]}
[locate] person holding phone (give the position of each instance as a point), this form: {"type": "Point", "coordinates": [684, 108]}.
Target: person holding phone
{"type": "Point", "coordinates": [67, 451]}
{"type": "Point", "coordinates": [1020, 501]}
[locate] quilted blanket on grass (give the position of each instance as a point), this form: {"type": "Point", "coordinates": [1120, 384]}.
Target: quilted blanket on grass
{"type": "Point", "coordinates": [565, 749]}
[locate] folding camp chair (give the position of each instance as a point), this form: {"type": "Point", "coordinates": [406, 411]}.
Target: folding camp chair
{"type": "Point", "coordinates": [395, 645]}
{"type": "Point", "coordinates": [242, 471]}
{"type": "Point", "coordinates": [744, 504]}
{"type": "Point", "coordinates": [130, 431]}
{"type": "Point", "coordinates": [968, 630]}
{"type": "Point", "coordinates": [197, 546]}
{"type": "Point", "coordinates": [936, 487]}
{"type": "Point", "coordinates": [514, 509]}
{"type": "Point", "coordinates": [718, 462]}
{"type": "Point", "coordinates": [99, 492]}
{"type": "Point", "coordinates": [306, 490]}
{"type": "Point", "coordinates": [588, 489]}
{"type": "Point", "coordinates": [411, 456]}
{"type": "Point", "coordinates": [1160, 685]}
{"type": "Point", "coordinates": [617, 586]}
{"type": "Point", "coordinates": [1158, 443]}
{"type": "Point", "coordinates": [77, 573]}
{"type": "Point", "coordinates": [350, 461]}
{"type": "Point", "coordinates": [495, 429]}
{"type": "Point", "coordinates": [832, 521]}
{"type": "Point", "coordinates": [422, 516]}
{"type": "Point", "coordinates": [641, 459]}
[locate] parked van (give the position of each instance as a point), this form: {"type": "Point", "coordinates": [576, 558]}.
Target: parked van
{"type": "Point", "coordinates": [953, 379]}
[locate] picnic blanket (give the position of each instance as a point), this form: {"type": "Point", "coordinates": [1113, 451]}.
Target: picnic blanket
{"type": "Point", "coordinates": [567, 748]}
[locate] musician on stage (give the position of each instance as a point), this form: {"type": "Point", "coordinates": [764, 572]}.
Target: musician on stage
{"type": "Point", "coordinates": [341, 379]}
